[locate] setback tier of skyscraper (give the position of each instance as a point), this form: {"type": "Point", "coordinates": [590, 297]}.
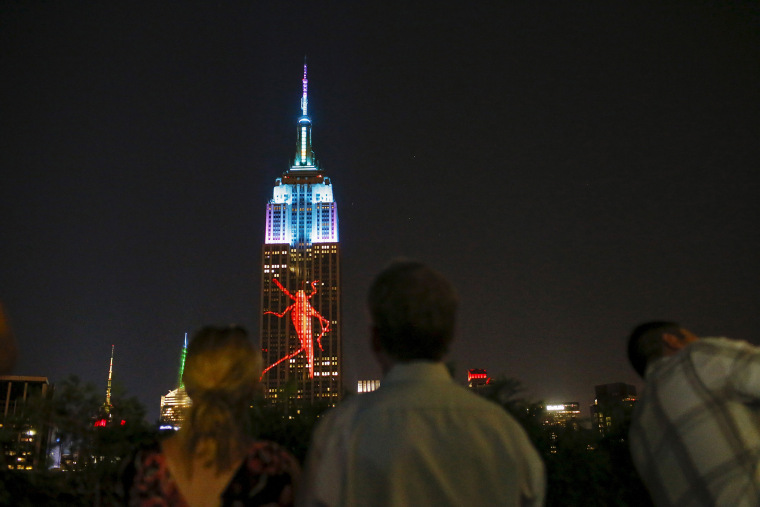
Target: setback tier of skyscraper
{"type": "Point", "coordinates": [175, 403]}
{"type": "Point", "coordinates": [300, 284]}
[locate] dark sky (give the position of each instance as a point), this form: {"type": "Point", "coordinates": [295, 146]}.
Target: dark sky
{"type": "Point", "coordinates": [573, 167]}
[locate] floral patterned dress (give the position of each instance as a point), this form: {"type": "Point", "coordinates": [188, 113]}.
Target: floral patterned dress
{"type": "Point", "coordinates": [265, 478]}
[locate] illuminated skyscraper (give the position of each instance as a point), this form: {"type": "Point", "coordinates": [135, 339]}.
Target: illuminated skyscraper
{"type": "Point", "coordinates": [173, 408]}
{"type": "Point", "coordinates": [175, 403]}
{"type": "Point", "coordinates": [562, 413]}
{"type": "Point", "coordinates": [104, 413]}
{"type": "Point", "coordinates": [558, 419]}
{"type": "Point", "coordinates": [300, 283]}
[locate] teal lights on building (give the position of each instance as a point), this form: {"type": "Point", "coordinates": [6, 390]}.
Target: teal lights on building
{"type": "Point", "coordinates": [302, 210]}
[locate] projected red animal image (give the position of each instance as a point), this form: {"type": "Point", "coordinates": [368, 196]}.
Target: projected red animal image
{"type": "Point", "coordinates": [301, 313]}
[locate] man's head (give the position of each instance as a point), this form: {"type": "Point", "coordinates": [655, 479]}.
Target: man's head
{"type": "Point", "coordinates": [652, 340]}
{"type": "Point", "coordinates": [413, 310]}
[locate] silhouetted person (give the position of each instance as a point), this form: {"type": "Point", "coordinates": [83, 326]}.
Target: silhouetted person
{"type": "Point", "coordinates": [420, 439]}
{"type": "Point", "coordinates": [211, 460]}
{"type": "Point", "coordinates": [695, 433]}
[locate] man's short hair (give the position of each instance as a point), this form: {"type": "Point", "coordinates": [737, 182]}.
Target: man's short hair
{"type": "Point", "coordinates": [413, 310]}
{"type": "Point", "coordinates": [645, 343]}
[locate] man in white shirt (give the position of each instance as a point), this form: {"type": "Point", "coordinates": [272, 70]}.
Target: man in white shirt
{"type": "Point", "coordinates": [420, 439]}
{"type": "Point", "coordinates": [695, 432]}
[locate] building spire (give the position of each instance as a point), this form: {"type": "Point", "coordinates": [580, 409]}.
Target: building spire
{"type": "Point", "coordinates": [180, 382]}
{"type": "Point", "coordinates": [107, 406]}
{"type": "Point", "coordinates": [304, 155]}
{"type": "Point", "coordinates": [305, 98]}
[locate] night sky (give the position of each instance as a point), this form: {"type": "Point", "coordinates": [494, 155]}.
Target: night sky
{"type": "Point", "coordinates": [573, 167]}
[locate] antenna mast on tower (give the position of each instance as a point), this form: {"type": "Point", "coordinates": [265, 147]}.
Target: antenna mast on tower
{"type": "Point", "coordinates": [180, 382]}
{"type": "Point", "coordinates": [107, 406]}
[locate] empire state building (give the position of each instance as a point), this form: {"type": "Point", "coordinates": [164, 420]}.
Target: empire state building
{"type": "Point", "coordinates": [300, 283]}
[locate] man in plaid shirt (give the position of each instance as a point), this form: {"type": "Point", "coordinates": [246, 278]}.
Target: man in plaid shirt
{"type": "Point", "coordinates": [695, 433]}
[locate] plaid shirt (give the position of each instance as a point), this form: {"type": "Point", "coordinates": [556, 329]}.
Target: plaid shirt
{"type": "Point", "coordinates": [695, 434]}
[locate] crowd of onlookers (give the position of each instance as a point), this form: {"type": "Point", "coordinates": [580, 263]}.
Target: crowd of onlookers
{"type": "Point", "coordinates": [421, 439]}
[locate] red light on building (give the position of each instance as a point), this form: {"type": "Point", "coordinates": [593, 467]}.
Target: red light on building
{"type": "Point", "coordinates": [477, 377]}
{"type": "Point", "coordinates": [476, 374]}
{"type": "Point", "coordinates": [100, 423]}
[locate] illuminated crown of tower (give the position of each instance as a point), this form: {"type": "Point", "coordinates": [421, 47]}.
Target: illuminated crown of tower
{"type": "Point", "coordinates": [304, 154]}
{"type": "Point", "coordinates": [302, 210]}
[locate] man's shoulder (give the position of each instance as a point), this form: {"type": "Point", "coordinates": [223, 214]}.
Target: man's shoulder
{"type": "Point", "coordinates": [406, 403]}
{"type": "Point", "coordinates": [721, 350]}
{"type": "Point", "coordinates": [417, 397]}
{"type": "Point", "coordinates": [346, 412]}
{"type": "Point", "coordinates": [704, 350]}
{"type": "Point", "coordinates": [719, 344]}
{"type": "Point", "coordinates": [465, 397]}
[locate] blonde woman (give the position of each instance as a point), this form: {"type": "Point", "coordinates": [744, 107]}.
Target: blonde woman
{"type": "Point", "coordinates": [211, 461]}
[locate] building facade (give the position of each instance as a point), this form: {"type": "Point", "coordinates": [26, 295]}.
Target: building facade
{"type": "Point", "coordinates": [367, 386]}
{"type": "Point", "coordinates": [612, 408]}
{"type": "Point", "coordinates": [558, 419]}
{"type": "Point", "coordinates": [560, 414]}
{"type": "Point", "coordinates": [175, 403]}
{"type": "Point", "coordinates": [300, 283]}
{"type": "Point", "coordinates": [28, 437]}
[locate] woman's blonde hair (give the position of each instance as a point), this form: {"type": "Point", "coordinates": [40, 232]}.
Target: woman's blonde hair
{"type": "Point", "coordinates": [221, 374]}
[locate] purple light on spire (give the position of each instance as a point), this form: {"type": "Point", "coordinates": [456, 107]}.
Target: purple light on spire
{"type": "Point", "coordinates": [304, 99]}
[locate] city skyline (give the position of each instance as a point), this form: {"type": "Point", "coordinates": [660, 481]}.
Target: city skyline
{"type": "Point", "coordinates": [574, 170]}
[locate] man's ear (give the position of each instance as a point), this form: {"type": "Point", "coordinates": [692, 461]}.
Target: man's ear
{"type": "Point", "coordinates": [673, 342]}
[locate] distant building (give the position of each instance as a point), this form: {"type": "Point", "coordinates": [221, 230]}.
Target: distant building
{"type": "Point", "coordinates": [366, 386]}
{"type": "Point", "coordinates": [559, 418]}
{"type": "Point", "coordinates": [175, 403]}
{"type": "Point", "coordinates": [104, 414]}
{"type": "Point", "coordinates": [300, 281]}
{"type": "Point", "coordinates": [73, 458]}
{"type": "Point", "coordinates": [560, 414]}
{"type": "Point", "coordinates": [28, 440]}
{"type": "Point", "coordinates": [612, 407]}
{"type": "Point", "coordinates": [477, 378]}
{"type": "Point", "coordinates": [173, 409]}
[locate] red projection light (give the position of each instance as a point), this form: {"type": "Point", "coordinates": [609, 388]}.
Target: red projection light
{"type": "Point", "coordinates": [301, 315]}
{"type": "Point", "coordinates": [100, 423]}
